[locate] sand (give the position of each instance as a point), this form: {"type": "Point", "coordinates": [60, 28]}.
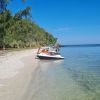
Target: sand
{"type": "Point", "coordinates": [15, 73]}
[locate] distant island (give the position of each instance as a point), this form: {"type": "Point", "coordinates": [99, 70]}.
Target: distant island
{"type": "Point", "coordinates": [80, 45]}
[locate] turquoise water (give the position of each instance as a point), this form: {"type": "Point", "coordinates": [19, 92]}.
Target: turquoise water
{"type": "Point", "coordinates": [77, 77]}
{"type": "Point", "coordinates": [83, 66]}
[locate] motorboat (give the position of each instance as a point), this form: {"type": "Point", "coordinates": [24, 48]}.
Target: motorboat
{"type": "Point", "coordinates": [49, 53]}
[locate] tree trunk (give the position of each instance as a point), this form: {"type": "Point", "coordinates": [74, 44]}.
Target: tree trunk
{"type": "Point", "coordinates": [30, 45]}
{"type": "Point", "coordinates": [3, 47]}
{"type": "Point", "coordinates": [17, 46]}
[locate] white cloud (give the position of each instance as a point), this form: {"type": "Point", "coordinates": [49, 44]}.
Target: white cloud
{"type": "Point", "coordinates": [63, 29]}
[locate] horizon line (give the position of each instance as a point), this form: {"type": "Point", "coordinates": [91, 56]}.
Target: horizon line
{"type": "Point", "coordinates": [69, 45]}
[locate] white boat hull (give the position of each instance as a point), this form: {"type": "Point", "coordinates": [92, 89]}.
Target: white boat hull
{"type": "Point", "coordinates": [45, 56]}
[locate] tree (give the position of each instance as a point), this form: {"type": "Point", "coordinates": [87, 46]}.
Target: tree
{"type": "Point", "coordinates": [22, 13]}
{"type": "Point", "coordinates": [18, 31]}
{"type": "Point", "coordinates": [3, 5]}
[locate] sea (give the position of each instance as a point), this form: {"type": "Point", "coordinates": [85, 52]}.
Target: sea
{"type": "Point", "coordinates": [77, 77]}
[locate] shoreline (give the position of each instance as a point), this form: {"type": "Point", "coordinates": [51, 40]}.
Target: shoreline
{"type": "Point", "coordinates": [15, 73]}
{"type": "Point", "coordinates": [11, 63]}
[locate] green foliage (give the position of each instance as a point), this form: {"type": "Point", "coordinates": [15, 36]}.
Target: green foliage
{"type": "Point", "coordinates": [18, 32]}
{"type": "Point", "coordinates": [3, 5]}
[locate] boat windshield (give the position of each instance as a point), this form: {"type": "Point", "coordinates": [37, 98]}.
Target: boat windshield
{"type": "Point", "coordinates": [50, 49]}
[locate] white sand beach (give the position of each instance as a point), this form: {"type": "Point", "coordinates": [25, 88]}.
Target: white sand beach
{"type": "Point", "coordinates": [15, 72]}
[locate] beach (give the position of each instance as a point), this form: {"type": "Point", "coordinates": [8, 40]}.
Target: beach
{"type": "Point", "coordinates": [77, 77]}
{"type": "Point", "coordinates": [15, 73]}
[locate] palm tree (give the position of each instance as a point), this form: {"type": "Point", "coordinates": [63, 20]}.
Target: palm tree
{"type": "Point", "coordinates": [3, 4]}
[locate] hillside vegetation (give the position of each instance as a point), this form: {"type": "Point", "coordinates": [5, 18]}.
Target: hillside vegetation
{"type": "Point", "coordinates": [18, 31]}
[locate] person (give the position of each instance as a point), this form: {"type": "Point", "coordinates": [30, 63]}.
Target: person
{"type": "Point", "coordinates": [57, 47]}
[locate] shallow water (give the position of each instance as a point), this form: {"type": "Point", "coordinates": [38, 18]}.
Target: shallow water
{"type": "Point", "coordinates": [77, 77]}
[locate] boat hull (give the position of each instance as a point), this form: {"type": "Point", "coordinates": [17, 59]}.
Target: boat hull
{"type": "Point", "coordinates": [49, 57]}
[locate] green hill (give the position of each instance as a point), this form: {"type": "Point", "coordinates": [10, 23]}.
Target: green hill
{"type": "Point", "coordinates": [18, 31]}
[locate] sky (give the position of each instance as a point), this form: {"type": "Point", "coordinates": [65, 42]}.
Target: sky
{"type": "Point", "coordinates": [71, 21]}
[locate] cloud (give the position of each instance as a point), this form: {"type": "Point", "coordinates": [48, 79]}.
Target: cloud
{"type": "Point", "coordinates": [63, 29]}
